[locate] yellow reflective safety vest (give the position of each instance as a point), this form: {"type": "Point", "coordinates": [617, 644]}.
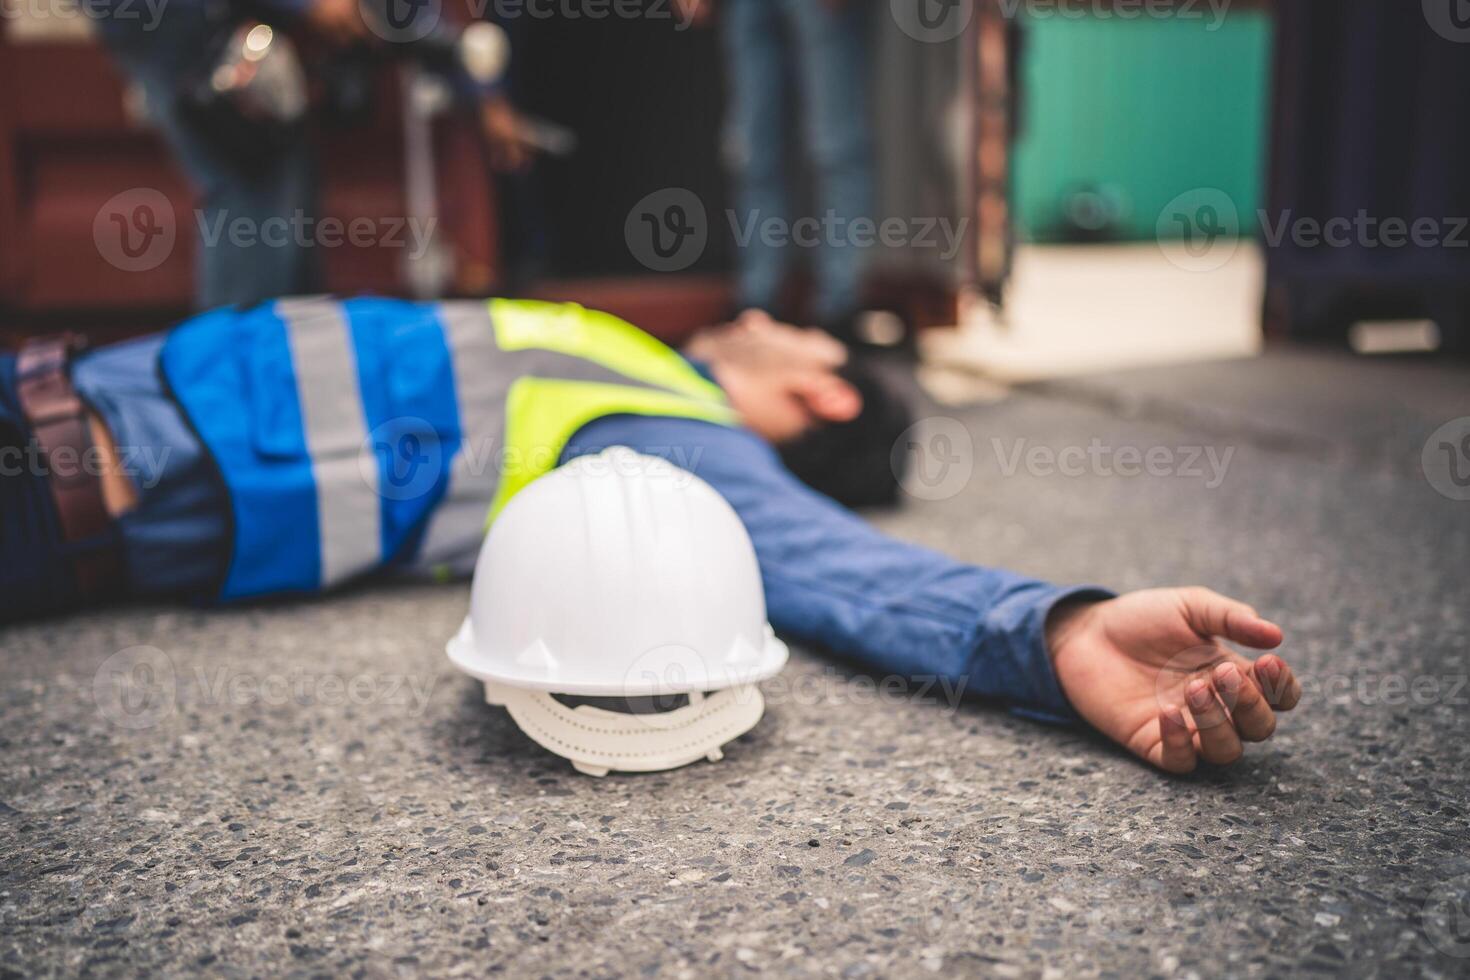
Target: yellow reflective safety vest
{"type": "Point", "coordinates": [356, 434]}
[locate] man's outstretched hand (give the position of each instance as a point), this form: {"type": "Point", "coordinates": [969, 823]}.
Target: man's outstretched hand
{"type": "Point", "coordinates": [1148, 669]}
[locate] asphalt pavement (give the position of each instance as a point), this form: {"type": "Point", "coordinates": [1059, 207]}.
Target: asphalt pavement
{"type": "Point", "coordinates": [308, 788]}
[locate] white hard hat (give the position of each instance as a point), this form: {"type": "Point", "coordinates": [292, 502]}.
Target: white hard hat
{"type": "Point", "coordinates": [620, 576]}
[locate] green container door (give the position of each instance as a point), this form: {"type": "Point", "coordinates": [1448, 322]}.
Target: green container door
{"type": "Point", "coordinates": [1122, 116]}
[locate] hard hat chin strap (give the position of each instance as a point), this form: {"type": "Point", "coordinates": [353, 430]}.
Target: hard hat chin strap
{"type": "Point", "coordinates": [597, 740]}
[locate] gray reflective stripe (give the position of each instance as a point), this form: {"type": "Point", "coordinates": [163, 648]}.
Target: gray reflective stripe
{"type": "Point", "coordinates": [347, 503]}
{"type": "Point", "coordinates": [483, 375]}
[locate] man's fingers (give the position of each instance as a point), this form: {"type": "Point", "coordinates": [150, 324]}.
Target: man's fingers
{"type": "Point", "coordinates": [1278, 683]}
{"type": "Point", "coordinates": [1253, 717]}
{"type": "Point", "coordinates": [1218, 742]}
{"type": "Point", "coordinates": [1176, 745]}
{"type": "Point", "coordinates": [1211, 614]}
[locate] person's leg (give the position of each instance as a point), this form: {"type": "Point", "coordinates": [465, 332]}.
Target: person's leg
{"type": "Point", "coordinates": [281, 203]}
{"type": "Point", "coordinates": [229, 269]}
{"type": "Point", "coordinates": [832, 53]}
{"type": "Point", "coordinates": [755, 68]}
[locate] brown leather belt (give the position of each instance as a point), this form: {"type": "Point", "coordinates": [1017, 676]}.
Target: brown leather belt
{"type": "Point", "coordinates": [59, 426]}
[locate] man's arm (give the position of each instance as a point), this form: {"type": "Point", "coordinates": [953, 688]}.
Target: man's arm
{"type": "Point", "coordinates": [834, 580]}
{"type": "Point", "coordinates": [1147, 669]}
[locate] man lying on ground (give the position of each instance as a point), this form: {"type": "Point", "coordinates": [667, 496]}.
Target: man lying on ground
{"type": "Point", "coordinates": [306, 443]}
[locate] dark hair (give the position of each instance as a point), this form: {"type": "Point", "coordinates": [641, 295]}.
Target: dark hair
{"type": "Point", "coordinates": [854, 462]}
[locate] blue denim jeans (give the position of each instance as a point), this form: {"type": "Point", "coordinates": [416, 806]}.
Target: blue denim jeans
{"type": "Point", "coordinates": [35, 577]}
{"type": "Point", "coordinates": [769, 44]}
{"type": "Point", "coordinates": [229, 269]}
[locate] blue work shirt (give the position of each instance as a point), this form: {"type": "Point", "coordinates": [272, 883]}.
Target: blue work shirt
{"type": "Point", "coordinates": [831, 579]}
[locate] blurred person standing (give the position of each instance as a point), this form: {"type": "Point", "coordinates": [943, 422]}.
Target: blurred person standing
{"type": "Point", "coordinates": [238, 175]}
{"type": "Point", "coordinates": [820, 45]}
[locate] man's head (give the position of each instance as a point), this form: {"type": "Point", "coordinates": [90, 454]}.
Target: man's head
{"type": "Point", "coordinates": [831, 417]}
